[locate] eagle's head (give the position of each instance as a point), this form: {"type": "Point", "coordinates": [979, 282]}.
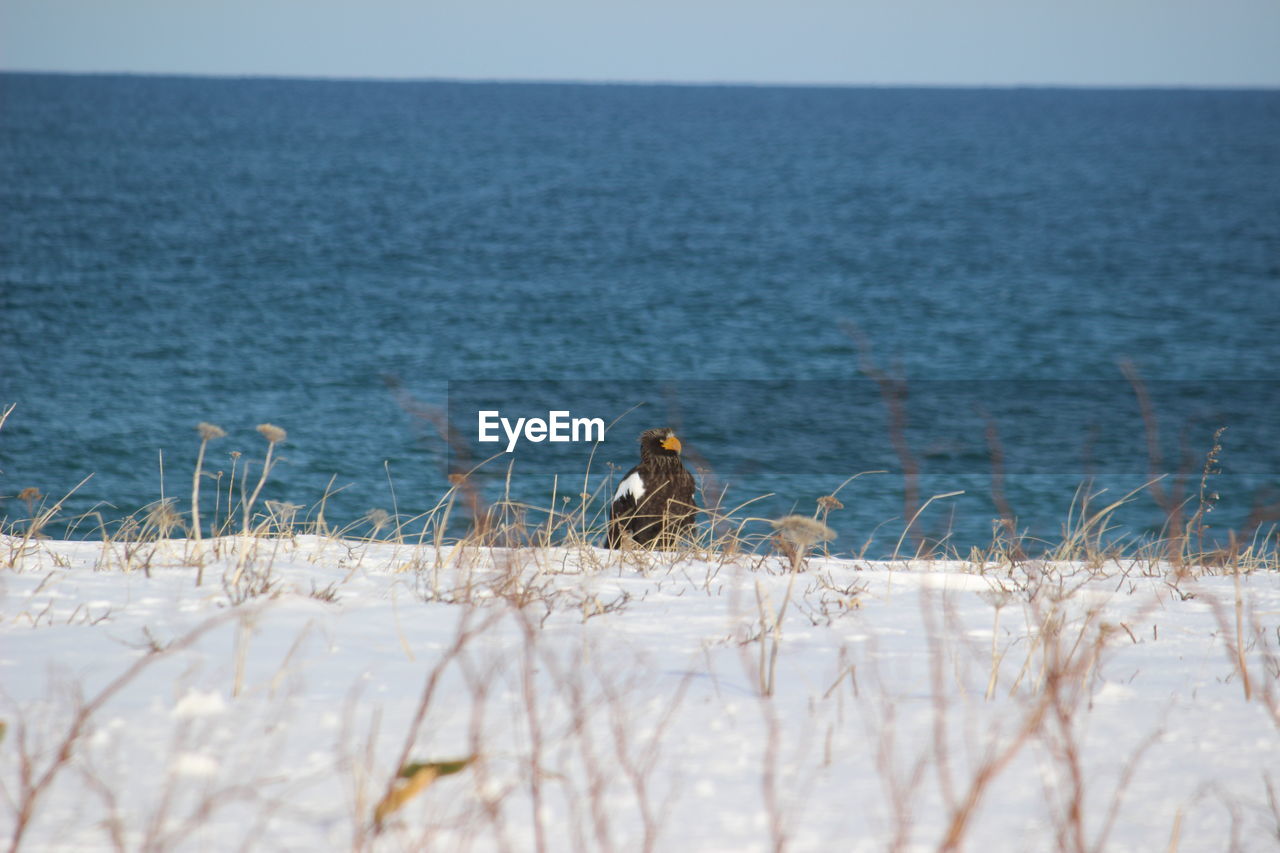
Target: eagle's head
{"type": "Point", "coordinates": [657, 443]}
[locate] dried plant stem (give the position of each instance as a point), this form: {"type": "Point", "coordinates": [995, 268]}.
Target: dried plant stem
{"type": "Point", "coordinates": [274, 436]}
{"type": "Point", "coordinates": [32, 788]}
{"type": "Point", "coordinates": [208, 432]}
{"type": "Point", "coordinates": [466, 631]}
{"type": "Point", "coordinates": [995, 660]}
{"type": "Point", "coordinates": [770, 636]}
{"type": "Point", "coordinates": [257, 490]}
{"type": "Point", "coordinates": [195, 494]}
{"type": "Point", "coordinates": [244, 632]}
{"type": "Point", "coordinates": [777, 625]}
{"type": "Point", "coordinates": [38, 522]}
{"type": "Point", "coordinates": [1241, 663]}
{"type": "Point", "coordinates": [1175, 834]}
{"type": "Point", "coordinates": [530, 695]}
{"type": "Point", "coordinates": [912, 521]}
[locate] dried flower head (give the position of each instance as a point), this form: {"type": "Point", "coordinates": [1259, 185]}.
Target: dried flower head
{"type": "Point", "coordinates": [283, 511]}
{"type": "Point", "coordinates": [803, 531]}
{"type": "Point", "coordinates": [457, 479]}
{"type": "Point", "coordinates": [162, 516]}
{"type": "Point", "coordinates": [996, 597]}
{"type": "Point", "coordinates": [29, 495]}
{"type": "Point", "coordinates": [830, 502]}
{"type": "Point", "coordinates": [272, 433]}
{"type": "Point", "coordinates": [209, 432]}
{"type": "Point", "coordinates": [378, 517]}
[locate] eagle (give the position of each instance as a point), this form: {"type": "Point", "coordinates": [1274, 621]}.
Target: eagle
{"type": "Point", "coordinates": [654, 505]}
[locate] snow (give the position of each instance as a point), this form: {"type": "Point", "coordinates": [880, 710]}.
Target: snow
{"type": "Point", "coordinates": [197, 703]}
{"type": "Point", "coordinates": [613, 700]}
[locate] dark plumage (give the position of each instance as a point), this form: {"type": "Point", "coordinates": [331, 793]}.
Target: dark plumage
{"type": "Point", "coordinates": [654, 502]}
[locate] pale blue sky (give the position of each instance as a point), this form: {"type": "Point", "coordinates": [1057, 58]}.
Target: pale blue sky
{"type": "Point", "coordinates": [946, 42]}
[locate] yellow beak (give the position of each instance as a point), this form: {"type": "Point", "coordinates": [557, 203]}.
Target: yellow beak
{"type": "Point", "coordinates": [671, 443]}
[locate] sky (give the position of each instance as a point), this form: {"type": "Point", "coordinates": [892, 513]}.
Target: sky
{"type": "Point", "coordinates": [868, 42]}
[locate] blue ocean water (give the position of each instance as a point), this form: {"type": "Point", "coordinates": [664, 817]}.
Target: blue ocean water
{"type": "Point", "coordinates": [330, 256]}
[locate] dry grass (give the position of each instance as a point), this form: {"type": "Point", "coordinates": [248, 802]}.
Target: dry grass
{"type": "Point", "coordinates": [504, 562]}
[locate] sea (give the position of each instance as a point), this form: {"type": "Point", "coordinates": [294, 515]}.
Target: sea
{"type": "Point", "coordinates": [954, 310]}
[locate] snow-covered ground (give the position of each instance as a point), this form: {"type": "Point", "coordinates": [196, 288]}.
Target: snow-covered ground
{"type": "Point", "coordinates": [614, 703]}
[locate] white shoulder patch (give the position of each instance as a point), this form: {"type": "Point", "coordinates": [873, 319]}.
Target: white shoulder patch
{"type": "Point", "coordinates": [633, 486]}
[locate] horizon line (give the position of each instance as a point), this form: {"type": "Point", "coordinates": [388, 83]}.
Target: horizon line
{"type": "Point", "coordinates": [640, 82]}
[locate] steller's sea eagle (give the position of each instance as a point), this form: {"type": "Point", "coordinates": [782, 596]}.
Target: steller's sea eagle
{"type": "Point", "coordinates": [654, 505]}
